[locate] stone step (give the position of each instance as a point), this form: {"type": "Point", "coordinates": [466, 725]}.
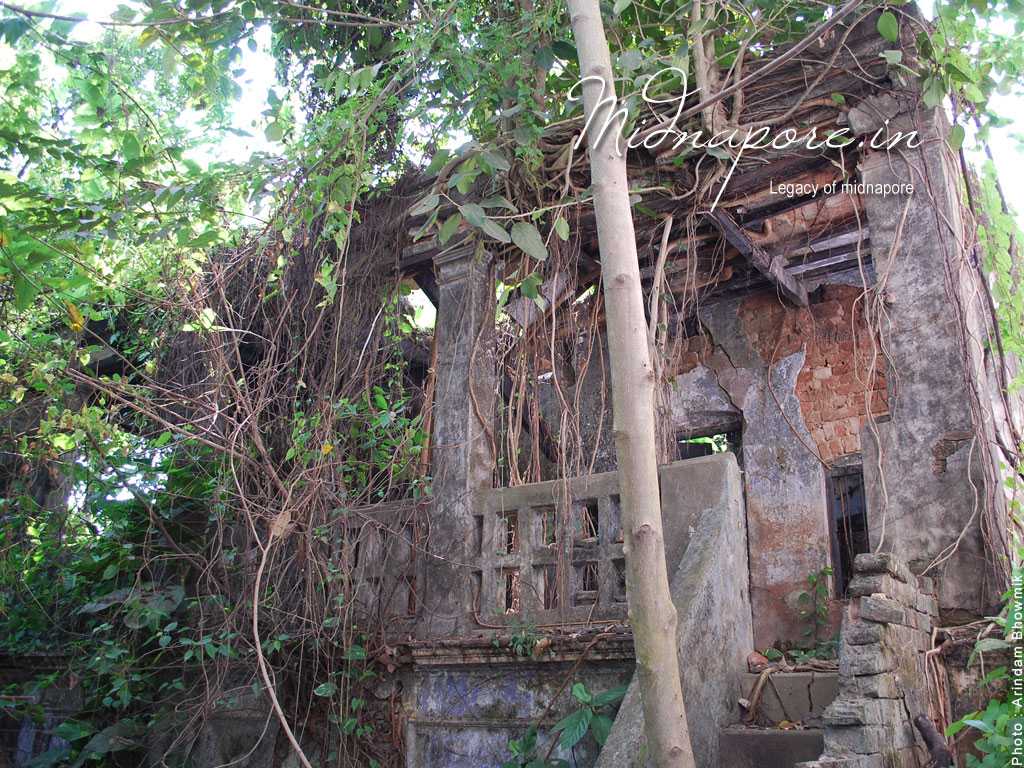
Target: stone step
{"type": "Point", "coordinates": [793, 696]}
{"type": "Point", "coordinates": [740, 747]}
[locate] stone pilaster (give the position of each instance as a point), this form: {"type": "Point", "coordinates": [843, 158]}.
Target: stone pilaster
{"type": "Point", "coordinates": [924, 470]}
{"type": "Point", "coordinates": [463, 438]}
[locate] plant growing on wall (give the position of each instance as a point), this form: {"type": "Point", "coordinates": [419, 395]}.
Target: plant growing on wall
{"type": "Point", "coordinates": [814, 605]}
{"type": "Point", "coordinates": [593, 715]}
{"type": "Point", "coordinates": [998, 725]}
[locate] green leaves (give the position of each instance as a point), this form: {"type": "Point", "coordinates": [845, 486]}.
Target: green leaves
{"type": "Point", "coordinates": [495, 230]}
{"type": "Point", "coordinates": [956, 137]}
{"type": "Point", "coordinates": [25, 292]}
{"type": "Point", "coordinates": [449, 228]}
{"type": "Point", "coordinates": [574, 727]}
{"type": "Point", "coordinates": [888, 26]}
{"type": "Point", "coordinates": [475, 215]}
{"type": "Point", "coordinates": [325, 689]}
{"type": "Point", "coordinates": [581, 694]}
{"type": "Point", "coordinates": [565, 50]}
{"type": "Point", "coordinates": [588, 716]}
{"type": "Point", "coordinates": [933, 91]}
{"type": "Point", "coordinates": [425, 205]}
{"type": "Point", "coordinates": [611, 696]}
{"type": "Point", "coordinates": [437, 162]}
{"type": "Point", "coordinates": [892, 58]}
{"type": "Point", "coordinates": [495, 160]}
{"type": "Point", "coordinates": [600, 727]}
{"type": "Point", "coordinates": [526, 236]}
{"type": "Point", "coordinates": [73, 730]}
{"type": "Point", "coordinates": [497, 201]}
{"type": "Point", "coordinates": [121, 736]}
{"type": "Point", "coordinates": [356, 653]}
{"type": "Point", "coordinates": [524, 752]}
{"type": "Point", "coordinates": [988, 644]}
{"type": "Point", "coordinates": [530, 288]}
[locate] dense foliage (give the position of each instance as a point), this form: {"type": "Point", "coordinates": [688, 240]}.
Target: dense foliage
{"type": "Point", "coordinates": [119, 497]}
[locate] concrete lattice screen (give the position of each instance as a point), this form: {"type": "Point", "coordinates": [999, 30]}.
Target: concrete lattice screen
{"type": "Point", "coordinates": [466, 699]}
{"type": "Point", "coordinates": [548, 553]}
{"type": "Point", "coordinates": [380, 546]}
{"type": "Point", "coordinates": [552, 560]}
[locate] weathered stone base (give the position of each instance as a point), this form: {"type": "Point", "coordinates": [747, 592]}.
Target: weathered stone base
{"type": "Point", "coordinates": [883, 680]}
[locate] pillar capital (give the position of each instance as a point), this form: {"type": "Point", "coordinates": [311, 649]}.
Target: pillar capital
{"type": "Point", "coordinates": [459, 262]}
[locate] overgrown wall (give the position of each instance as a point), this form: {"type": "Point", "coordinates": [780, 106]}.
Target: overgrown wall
{"type": "Point", "coordinates": [810, 411]}
{"type": "Point", "coordinates": [466, 697]}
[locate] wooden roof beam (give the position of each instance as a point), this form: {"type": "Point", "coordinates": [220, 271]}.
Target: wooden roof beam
{"type": "Point", "coordinates": [773, 268]}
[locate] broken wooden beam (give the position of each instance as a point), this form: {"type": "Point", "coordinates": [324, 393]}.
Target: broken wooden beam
{"type": "Point", "coordinates": [772, 268]}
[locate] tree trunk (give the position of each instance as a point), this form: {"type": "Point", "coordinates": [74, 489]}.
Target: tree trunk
{"type": "Point", "coordinates": [651, 612]}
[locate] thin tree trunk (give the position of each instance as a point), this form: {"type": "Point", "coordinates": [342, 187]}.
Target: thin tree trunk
{"type": "Point", "coordinates": [651, 612]}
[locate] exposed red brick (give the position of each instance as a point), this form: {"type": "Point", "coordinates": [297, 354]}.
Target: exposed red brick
{"type": "Point", "coordinates": [831, 386]}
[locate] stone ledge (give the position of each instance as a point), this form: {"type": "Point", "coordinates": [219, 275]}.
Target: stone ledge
{"type": "Point", "coordinates": [861, 740]}
{"type": "Point", "coordinates": [881, 610]}
{"type": "Point", "coordinates": [858, 660]}
{"type": "Point", "coordinates": [758, 747]}
{"type": "Point", "coordinates": [853, 761]}
{"type": "Point", "coordinates": [884, 686]}
{"type": "Point", "coordinates": [882, 583]}
{"type": "Point", "coordinates": [884, 563]}
{"type": "Point", "coordinates": [852, 712]}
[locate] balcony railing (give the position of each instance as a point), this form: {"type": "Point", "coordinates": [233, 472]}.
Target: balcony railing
{"type": "Point", "coordinates": [547, 554]}
{"type": "Point", "coordinates": [551, 553]}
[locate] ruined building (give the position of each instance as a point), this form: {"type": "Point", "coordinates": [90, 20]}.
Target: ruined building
{"type": "Point", "coordinates": [830, 408]}
{"type": "Point", "coordinates": [836, 348]}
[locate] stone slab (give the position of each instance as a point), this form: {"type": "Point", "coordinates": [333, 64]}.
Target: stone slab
{"type": "Point", "coordinates": [795, 696]}
{"type": "Point", "coordinates": [762, 748]}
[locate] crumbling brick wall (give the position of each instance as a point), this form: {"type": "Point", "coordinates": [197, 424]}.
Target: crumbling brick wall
{"type": "Point", "coordinates": [842, 378]}
{"type": "Point", "coordinates": [797, 378]}
{"type": "Point", "coordinates": [883, 678]}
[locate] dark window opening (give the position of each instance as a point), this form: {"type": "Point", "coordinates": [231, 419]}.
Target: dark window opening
{"type": "Point", "coordinates": [614, 521]}
{"type": "Point", "coordinates": [546, 527]}
{"type": "Point", "coordinates": [586, 582]}
{"type": "Point", "coordinates": [478, 586]}
{"type": "Point", "coordinates": [848, 523]}
{"type": "Point", "coordinates": [817, 296]}
{"type": "Point", "coordinates": [508, 533]}
{"type": "Point", "coordinates": [478, 534]}
{"type": "Point", "coordinates": [410, 594]}
{"type": "Point", "coordinates": [357, 546]}
{"type": "Point", "coordinates": [691, 327]}
{"type": "Point", "coordinates": [691, 446]}
{"type": "Point", "coordinates": [512, 590]}
{"type": "Point", "coordinates": [619, 567]}
{"type": "Point", "coordinates": [546, 576]}
{"type": "Point", "coordinates": [587, 521]}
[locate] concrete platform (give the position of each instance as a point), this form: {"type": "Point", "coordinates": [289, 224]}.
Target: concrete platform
{"type": "Point", "coordinates": [740, 747]}
{"type": "Point", "coordinates": [795, 696]}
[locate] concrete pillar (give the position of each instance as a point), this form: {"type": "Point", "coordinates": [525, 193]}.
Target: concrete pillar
{"type": "Point", "coordinates": [463, 439]}
{"type": "Point", "coordinates": [925, 473]}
